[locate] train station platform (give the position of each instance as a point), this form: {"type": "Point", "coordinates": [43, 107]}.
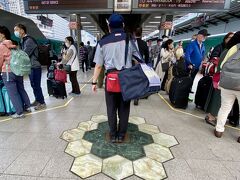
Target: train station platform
{"type": "Point", "coordinates": [68, 141]}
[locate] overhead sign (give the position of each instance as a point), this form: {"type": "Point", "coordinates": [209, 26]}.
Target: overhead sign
{"type": "Point", "coordinates": [45, 21]}
{"type": "Point", "coordinates": [122, 5]}
{"type": "Point", "coordinates": [74, 25]}
{"type": "Point", "coordinates": [40, 6]}
{"type": "Point", "coordinates": [166, 25]}
{"type": "Point", "coordinates": [181, 4]}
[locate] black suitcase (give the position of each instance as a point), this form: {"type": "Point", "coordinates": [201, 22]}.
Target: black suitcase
{"type": "Point", "coordinates": [203, 89]}
{"type": "Point", "coordinates": [49, 87]}
{"type": "Point", "coordinates": [179, 91]}
{"type": "Point", "coordinates": [56, 88]}
{"type": "Point", "coordinates": [59, 89]}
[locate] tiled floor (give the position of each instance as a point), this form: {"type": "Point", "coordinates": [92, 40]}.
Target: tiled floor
{"type": "Point", "coordinates": [31, 148]}
{"type": "Point", "coordinates": [142, 155]}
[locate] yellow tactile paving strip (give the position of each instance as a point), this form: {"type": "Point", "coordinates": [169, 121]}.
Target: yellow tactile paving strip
{"type": "Point", "coordinates": [190, 114]}
{"type": "Point", "coordinates": [49, 109]}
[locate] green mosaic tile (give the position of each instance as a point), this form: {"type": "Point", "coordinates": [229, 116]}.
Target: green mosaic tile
{"type": "Point", "coordinates": [141, 138]}
{"type": "Point", "coordinates": [103, 127]}
{"type": "Point", "coordinates": [94, 136]}
{"type": "Point", "coordinates": [104, 149]}
{"type": "Point", "coordinates": [131, 151]}
{"type": "Point", "coordinates": [132, 127]}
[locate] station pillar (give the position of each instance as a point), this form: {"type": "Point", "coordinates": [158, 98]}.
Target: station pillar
{"type": "Point", "coordinates": [75, 28]}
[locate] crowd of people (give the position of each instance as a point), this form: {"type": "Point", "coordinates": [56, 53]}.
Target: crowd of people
{"type": "Point", "coordinates": [168, 62]}
{"type": "Point", "coordinates": [221, 103]}
{"type": "Point", "coordinates": [15, 84]}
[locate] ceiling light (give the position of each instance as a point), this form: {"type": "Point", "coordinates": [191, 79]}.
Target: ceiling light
{"type": "Point", "coordinates": [157, 17]}
{"type": "Point", "coordinates": [82, 17]}
{"type": "Point", "coordinates": [86, 22]}
{"type": "Point", "coordinates": [154, 22]}
{"type": "Point", "coordinates": [150, 26]}
{"type": "Point", "coordinates": [88, 26]}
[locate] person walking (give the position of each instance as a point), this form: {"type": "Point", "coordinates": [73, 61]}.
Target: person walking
{"type": "Point", "coordinates": [83, 56]}
{"type": "Point", "coordinates": [229, 90]}
{"type": "Point", "coordinates": [214, 101]}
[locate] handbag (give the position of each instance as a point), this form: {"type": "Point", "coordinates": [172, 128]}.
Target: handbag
{"type": "Point", "coordinates": [112, 77]}
{"type": "Point", "coordinates": [165, 66]}
{"type": "Point", "coordinates": [139, 80]}
{"type": "Point", "coordinates": [112, 81]}
{"type": "Point", "coordinates": [67, 67]}
{"type": "Point", "coordinates": [60, 75]}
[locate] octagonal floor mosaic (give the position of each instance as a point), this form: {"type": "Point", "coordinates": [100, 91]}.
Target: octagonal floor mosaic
{"type": "Point", "coordinates": [143, 154]}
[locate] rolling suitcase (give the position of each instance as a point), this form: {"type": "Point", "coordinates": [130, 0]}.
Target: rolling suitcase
{"type": "Point", "coordinates": [49, 87]}
{"type": "Point", "coordinates": [179, 91]}
{"type": "Point", "coordinates": [203, 89]}
{"type": "Point", "coordinates": [2, 106]}
{"type": "Point", "coordinates": [9, 109]}
{"type": "Point", "coordinates": [59, 89]}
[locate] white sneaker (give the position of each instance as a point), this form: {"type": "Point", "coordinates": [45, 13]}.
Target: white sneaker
{"type": "Point", "coordinates": [16, 116]}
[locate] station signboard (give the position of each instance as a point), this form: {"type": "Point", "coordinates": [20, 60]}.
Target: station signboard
{"type": "Point", "coordinates": [180, 4]}
{"type": "Point", "coordinates": [45, 21]}
{"type": "Point", "coordinates": [122, 5]}
{"type": "Point", "coordinates": [54, 6]}
{"type": "Point", "coordinates": [166, 25]}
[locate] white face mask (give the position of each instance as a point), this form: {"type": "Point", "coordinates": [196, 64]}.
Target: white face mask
{"type": "Point", "coordinates": [67, 44]}
{"type": "Point", "coordinates": [17, 34]}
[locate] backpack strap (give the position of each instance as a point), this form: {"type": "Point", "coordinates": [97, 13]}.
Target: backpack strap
{"type": "Point", "coordinates": [231, 52]}
{"type": "Point", "coordinates": [34, 40]}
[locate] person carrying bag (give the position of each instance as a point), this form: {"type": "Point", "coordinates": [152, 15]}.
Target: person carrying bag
{"type": "Point", "coordinates": [71, 64]}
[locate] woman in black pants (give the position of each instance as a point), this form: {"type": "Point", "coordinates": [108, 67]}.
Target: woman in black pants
{"type": "Point", "coordinates": [70, 57]}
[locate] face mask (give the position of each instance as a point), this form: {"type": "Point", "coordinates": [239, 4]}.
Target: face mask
{"type": "Point", "coordinates": [16, 33]}
{"type": "Point", "coordinates": [67, 44]}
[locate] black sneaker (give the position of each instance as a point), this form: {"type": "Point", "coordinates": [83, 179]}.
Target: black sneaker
{"type": "Point", "coordinates": [135, 102]}
{"type": "Point", "coordinates": [120, 139]}
{"type": "Point", "coordinates": [113, 139]}
{"type": "Point", "coordinates": [35, 103]}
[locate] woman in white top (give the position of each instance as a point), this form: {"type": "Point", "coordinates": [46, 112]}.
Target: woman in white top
{"type": "Point", "coordinates": [166, 56]}
{"type": "Point", "coordinates": [70, 57]}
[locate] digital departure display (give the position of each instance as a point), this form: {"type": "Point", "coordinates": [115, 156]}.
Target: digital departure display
{"type": "Point", "coordinates": [182, 4]}
{"type": "Point", "coordinates": [48, 5]}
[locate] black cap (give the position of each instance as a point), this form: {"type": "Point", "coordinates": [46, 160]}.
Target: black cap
{"type": "Point", "coordinates": [203, 32]}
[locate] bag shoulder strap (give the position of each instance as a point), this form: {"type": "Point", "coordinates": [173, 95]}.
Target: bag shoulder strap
{"type": "Point", "coordinates": [231, 52]}
{"type": "Point", "coordinates": [136, 49]}
{"type": "Point", "coordinates": [126, 48]}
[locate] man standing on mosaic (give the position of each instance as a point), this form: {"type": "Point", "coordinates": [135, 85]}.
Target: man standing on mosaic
{"type": "Point", "coordinates": [110, 53]}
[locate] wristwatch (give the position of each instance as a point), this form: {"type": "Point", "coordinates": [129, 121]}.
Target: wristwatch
{"type": "Point", "coordinates": [94, 83]}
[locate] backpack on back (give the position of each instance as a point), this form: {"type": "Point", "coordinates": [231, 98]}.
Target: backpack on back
{"type": "Point", "coordinates": [230, 73]}
{"type": "Point", "coordinates": [20, 63]}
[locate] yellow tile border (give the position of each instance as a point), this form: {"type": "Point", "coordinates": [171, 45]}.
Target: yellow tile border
{"type": "Point", "coordinates": [49, 109]}
{"type": "Point", "coordinates": [189, 114]}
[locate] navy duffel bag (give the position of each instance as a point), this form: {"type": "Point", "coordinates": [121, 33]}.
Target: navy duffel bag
{"type": "Point", "coordinates": [138, 81]}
